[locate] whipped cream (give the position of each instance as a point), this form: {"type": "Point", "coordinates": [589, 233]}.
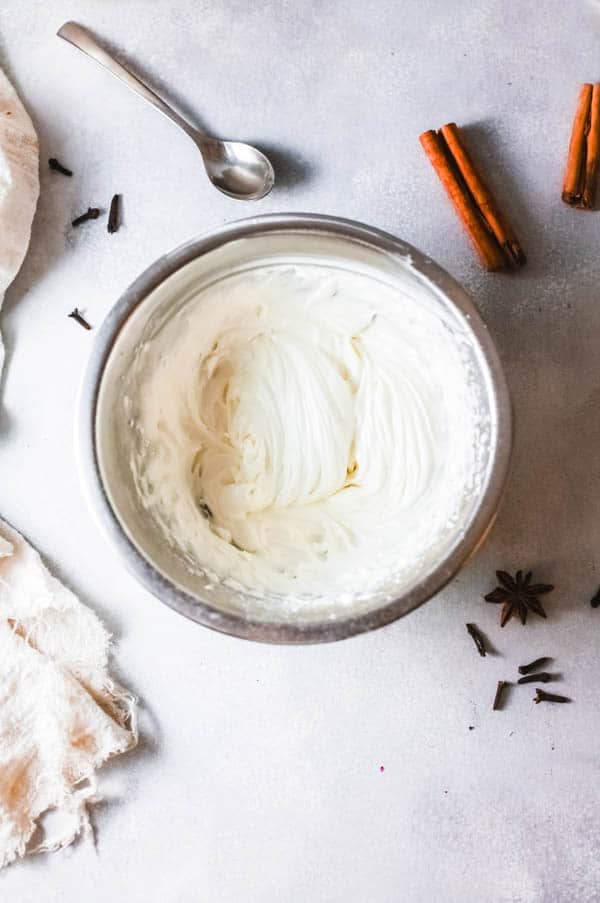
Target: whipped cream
{"type": "Point", "coordinates": [304, 429]}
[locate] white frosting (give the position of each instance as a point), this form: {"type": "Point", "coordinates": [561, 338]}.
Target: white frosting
{"type": "Point", "coordinates": [304, 429]}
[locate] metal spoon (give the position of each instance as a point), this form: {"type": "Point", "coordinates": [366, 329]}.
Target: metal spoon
{"type": "Point", "coordinates": [238, 170]}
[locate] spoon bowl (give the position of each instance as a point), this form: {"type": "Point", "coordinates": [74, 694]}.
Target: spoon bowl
{"type": "Point", "coordinates": [237, 169]}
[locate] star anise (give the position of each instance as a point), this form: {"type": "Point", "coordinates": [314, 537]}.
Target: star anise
{"type": "Point", "coordinates": [518, 595]}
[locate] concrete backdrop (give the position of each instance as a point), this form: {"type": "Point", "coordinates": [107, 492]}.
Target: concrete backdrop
{"type": "Point", "coordinates": [258, 779]}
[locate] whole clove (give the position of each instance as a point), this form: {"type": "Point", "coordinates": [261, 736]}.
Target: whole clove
{"type": "Point", "coordinates": [58, 167]}
{"type": "Point", "coordinates": [543, 677]}
{"type": "Point", "coordinates": [542, 696]}
{"type": "Point", "coordinates": [114, 216]}
{"type": "Point", "coordinates": [91, 213]}
{"type": "Point", "coordinates": [75, 315]}
{"type": "Point", "coordinates": [478, 638]}
{"type": "Point", "coordinates": [498, 698]}
{"type": "Point", "coordinates": [533, 666]}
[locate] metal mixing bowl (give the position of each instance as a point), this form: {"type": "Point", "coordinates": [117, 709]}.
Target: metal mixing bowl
{"type": "Point", "coordinates": [107, 478]}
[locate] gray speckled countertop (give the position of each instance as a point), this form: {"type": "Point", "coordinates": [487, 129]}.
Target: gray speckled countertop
{"type": "Point", "coordinates": [259, 777]}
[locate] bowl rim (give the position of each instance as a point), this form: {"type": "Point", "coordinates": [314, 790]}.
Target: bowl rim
{"type": "Point", "coordinates": [239, 625]}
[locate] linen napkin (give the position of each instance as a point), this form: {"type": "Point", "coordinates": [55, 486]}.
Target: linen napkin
{"type": "Point", "coordinates": [19, 185]}
{"type": "Point", "coordinates": [61, 714]}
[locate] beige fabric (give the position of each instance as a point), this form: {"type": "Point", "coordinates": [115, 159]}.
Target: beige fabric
{"type": "Point", "coordinates": [19, 184]}
{"type": "Point", "coordinates": [61, 716]}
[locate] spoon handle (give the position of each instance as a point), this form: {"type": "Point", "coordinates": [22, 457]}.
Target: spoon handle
{"type": "Point", "coordinates": [82, 39]}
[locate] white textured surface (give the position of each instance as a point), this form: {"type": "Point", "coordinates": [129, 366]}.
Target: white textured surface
{"type": "Point", "coordinates": [260, 779]}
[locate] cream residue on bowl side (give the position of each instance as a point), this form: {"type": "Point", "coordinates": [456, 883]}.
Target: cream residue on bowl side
{"type": "Point", "coordinates": [304, 429]}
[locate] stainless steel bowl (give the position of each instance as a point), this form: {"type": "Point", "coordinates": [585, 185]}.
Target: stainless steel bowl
{"type": "Point", "coordinates": [107, 482]}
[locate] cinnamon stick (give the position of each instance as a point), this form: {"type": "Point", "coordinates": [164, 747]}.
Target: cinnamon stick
{"type": "Point", "coordinates": [482, 239]}
{"type": "Point", "coordinates": [576, 171]}
{"type": "Point", "coordinates": [592, 151]}
{"type": "Point", "coordinates": [483, 197]}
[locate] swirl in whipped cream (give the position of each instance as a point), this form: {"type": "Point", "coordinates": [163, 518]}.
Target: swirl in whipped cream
{"type": "Point", "coordinates": [303, 429]}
